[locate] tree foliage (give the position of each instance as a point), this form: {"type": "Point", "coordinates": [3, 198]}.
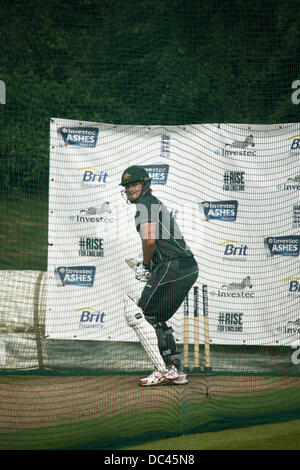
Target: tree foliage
{"type": "Point", "coordinates": [140, 62]}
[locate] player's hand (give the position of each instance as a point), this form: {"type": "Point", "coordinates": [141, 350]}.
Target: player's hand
{"type": "Point", "coordinates": [142, 272]}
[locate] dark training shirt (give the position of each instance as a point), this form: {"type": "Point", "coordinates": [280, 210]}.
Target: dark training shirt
{"type": "Point", "coordinates": [170, 243]}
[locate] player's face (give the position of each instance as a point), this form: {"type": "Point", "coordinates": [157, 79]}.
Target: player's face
{"type": "Point", "coordinates": [133, 191]}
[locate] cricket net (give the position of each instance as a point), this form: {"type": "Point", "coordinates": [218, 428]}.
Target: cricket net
{"type": "Point", "coordinates": [207, 93]}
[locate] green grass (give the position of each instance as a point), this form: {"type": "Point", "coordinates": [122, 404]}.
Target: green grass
{"type": "Point", "coordinates": [120, 432]}
{"type": "Point", "coordinates": [277, 436]}
{"type": "Point", "coordinates": [23, 245]}
{"type": "Point", "coordinates": [24, 232]}
{"type": "Point", "coordinates": [104, 432]}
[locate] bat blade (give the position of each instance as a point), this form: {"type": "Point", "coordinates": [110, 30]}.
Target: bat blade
{"type": "Point", "coordinates": [132, 262]}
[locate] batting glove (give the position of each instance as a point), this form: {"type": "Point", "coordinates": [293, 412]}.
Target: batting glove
{"type": "Point", "coordinates": [142, 272]}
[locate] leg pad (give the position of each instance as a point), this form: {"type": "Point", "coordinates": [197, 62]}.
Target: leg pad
{"type": "Point", "coordinates": [145, 332]}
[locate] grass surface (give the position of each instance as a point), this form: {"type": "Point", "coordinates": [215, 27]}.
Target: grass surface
{"type": "Point", "coordinates": [278, 436]}
{"type": "Point", "coordinates": [24, 232]}
{"type": "Point", "coordinates": [23, 245]}
{"type": "Point", "coordinates": [116, 432]}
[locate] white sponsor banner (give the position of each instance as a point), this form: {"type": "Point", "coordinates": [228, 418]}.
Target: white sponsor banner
{"type": "Point", "coordinates": [234, 190]}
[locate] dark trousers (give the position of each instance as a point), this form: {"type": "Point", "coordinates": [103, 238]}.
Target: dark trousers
{"type": "Point", "coordinates": [162, 295]}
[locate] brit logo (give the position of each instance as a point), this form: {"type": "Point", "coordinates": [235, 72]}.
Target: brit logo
{"type": "Point", "coordinates": [157, 173]}
{"type": "Point", "coordinates": [80, 136]}
{"type": "Point", "coordinates": [76, 275]}
{"type": "Point", "coordinates": [234, 251]}
{"type": "Point", "coordinates": [293, 285]}
{"type": "Point", "coordinates": [220, 210]}
{"type": "Point", "coordinates": [93, 178]}
{"type": "Point", "coordinates": [90, 317]}
{"type": "Point", "coordinates": [295, 145]}
{"type": "Point", "coordinates": [283, 246]}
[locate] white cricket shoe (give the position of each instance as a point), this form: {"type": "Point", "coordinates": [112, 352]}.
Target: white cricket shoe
{"type": "Point", "coordinates": [182, 378]}
{"type": "Point", "coordinates": [156, 378]}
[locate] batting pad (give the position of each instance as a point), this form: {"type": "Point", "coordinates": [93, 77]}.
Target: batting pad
{"type": "Point", "coordinates": [144, 331]}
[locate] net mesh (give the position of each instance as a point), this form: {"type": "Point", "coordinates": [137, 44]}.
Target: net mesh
{"type": "Point", "coordinates": [135, 63]}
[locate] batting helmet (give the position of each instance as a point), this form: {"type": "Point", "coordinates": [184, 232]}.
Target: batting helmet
{"type": "Point", "coordinates": [135, 174]}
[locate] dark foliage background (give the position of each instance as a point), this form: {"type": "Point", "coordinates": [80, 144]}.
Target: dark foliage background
{"type": "Point", "coordinates": [139, 62]}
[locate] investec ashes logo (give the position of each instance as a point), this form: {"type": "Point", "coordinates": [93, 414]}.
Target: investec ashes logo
{"type": "Point", "coordinates": [80, 136]}
{"type": "Point", "coordinates": [157, 173]}
{"type": "Point", "coordinates": [283, 246]}
{"type": "Point", "coordinates": [83, 276]}
{"type": "Point", "coordinates": [219, 210]}
{"type": "Point", "coordinates": [238, 148]}
{"type": "Point", "coordinates": [89, 317]}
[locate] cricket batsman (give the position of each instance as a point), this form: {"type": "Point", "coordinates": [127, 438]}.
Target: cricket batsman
{"type": "Point", "coordinates": [169, 270]}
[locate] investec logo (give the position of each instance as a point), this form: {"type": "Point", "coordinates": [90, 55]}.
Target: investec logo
{"type": "Point", "coordinates": [235, 290]}
{"type": "Point", "coordinates": [90, 317]}
{"type": "Point", "coordinates": [292, 184]}
{"type": "Point", "coordinates": [238, 148]}
{"type": "Point", "coordinates": [234, 251]}
{"type": "Point", "coordinates": [93, 178]}
{"type": "Point", "coordinates": [290, 328]}
{"type": "Point", "coordinates": [94, 215]}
